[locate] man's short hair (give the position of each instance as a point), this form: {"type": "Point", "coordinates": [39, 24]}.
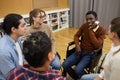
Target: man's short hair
{"type": "Point", "coordinates": [36, 48]}
{"type": "Point", "coordinates": [93, 13]}
{"type": "Point", "coordinates": [11, 20]}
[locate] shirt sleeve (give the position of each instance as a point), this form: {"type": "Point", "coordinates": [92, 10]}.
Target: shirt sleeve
{"type": "Point", "coordinates": [6, 62]}
{"type": "Point", "coordinates": [97, 41]}
{"type": "Point", "coordinates": [77, 35]}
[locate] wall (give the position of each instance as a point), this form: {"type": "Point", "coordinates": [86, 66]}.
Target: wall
{"type": "Point", "coordinates": [63, 3]}
{"type": "Point", "coordinates": [15, 6]}
{"type": "Point", "coordinates": [24, 6]}
{"type": "Point", "coordinates": [50, 4]}
{"type": "Point", "coordinates": [45, 3]}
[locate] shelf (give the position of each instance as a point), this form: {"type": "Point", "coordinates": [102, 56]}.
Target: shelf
{"type": "Point", "coordinates": [57, 19]}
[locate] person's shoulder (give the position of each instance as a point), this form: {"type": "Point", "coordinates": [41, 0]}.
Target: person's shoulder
{"type": "Point", "coordinates": [53, 71]}
{"type": "Point", "coordinates": [3, 42]}
{"type": "Point", "coordinates": [46, 25]}
{"type": "Point", "coordinates": [15, 69]}
{"type": "Point", "coordinates": [56, 75]}
{"type": "Point", "coordinates": [15, 72]}
{"type": "Point", "coordinates": [102, 28]}
{"type": "Point", "coordinates": [84, 24]}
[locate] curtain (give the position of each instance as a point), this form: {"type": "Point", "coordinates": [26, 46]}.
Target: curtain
{"type": "Point", "coordinates": [78, 8]}
{"type": "Point", "coordinates": [106, 10]}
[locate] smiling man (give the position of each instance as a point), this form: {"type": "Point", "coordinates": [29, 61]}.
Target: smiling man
{"type": "Point", "coordinates": [92, 38]}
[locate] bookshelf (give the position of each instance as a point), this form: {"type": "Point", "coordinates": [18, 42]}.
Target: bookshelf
{"type": "Point", "coordinates": [57, 19]}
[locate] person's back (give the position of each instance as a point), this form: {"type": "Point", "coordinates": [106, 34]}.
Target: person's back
{"type": "Point", "coordinates": [37, 49]}
{"type": "Point", "coordinates": [21, 73]}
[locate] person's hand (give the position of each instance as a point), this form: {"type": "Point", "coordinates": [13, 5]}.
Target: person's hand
{"type": "Point", "coordinates": [93, 26]}
{"type": "Point", "coordinates": [78, 49]}
{"type": "Point", "coordinates": [98, 78]}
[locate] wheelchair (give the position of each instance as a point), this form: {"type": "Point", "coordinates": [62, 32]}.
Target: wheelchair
{"type": "Point", "coordinates": [1, 33]}
{"type": "Point", "coordinates": [92, 67]}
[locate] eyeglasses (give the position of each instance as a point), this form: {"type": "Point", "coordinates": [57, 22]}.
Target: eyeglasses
{"type": "Point", "coordinates": [40, 16]}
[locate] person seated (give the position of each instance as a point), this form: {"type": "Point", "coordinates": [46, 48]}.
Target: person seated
{"type": "Point", "coordinates": [36, 24]}
{"type": "Point", "coordinates": [111, 65]}
{"type": "Point", "coordinates": [11, 55]}
{"type": "Point", "coordinates": [92, 36]}
{"type": "Point", "coordinates": [37, 50]}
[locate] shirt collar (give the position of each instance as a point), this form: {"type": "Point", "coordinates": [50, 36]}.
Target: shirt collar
{"type": "Point", "coordinates": [10, 40]}
{"type": "Point", "coordinates": [114, 48]}
{"type": "Point", "coordinates": [95, 29]}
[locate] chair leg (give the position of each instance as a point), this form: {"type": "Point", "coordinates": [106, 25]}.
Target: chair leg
{"type": "Point", "coordinates": [64, 73]}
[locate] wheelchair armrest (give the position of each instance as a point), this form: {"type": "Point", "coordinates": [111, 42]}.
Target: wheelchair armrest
{"type": "Point", "coordinates": [100, 48]}
{"type": "Point", "coordinates": [72, 42]}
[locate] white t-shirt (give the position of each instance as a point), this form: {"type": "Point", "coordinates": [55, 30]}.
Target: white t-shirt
{"type": "Point", "coordinates": [19, 53]}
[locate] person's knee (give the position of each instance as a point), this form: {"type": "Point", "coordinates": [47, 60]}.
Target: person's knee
{"type": "Point", "coordinates": [56, 65]}
{"type": "Point", "coordinates": [64, 65]}
{"type": "Point", "coordinates": [83, 78]}
{"type": "Point", "coordinates": [79, 70]}
{"type": "Point", "coordinates": [89, 77]}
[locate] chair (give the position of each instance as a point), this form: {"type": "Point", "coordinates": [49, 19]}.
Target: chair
{"type": "Point", "coordinates": [99, 67]}
{"type": "Point", "coordinates": [93, 63]}
{"type": "Point", "coordinates": [1, 33]}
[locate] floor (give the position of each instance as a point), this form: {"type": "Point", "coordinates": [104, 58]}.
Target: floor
{"type": "Point", "coordinates": [63, 37]}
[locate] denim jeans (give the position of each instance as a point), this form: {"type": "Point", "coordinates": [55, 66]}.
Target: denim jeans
{"type": "Point", "coordinates": [81, 61]}
{"type": "Point", "coordinates": [56, 64]}
{"type": "Point", "coordinates": [89, 77]}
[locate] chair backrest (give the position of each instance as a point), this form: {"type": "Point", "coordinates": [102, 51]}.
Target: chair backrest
{"type": "Point", "coordinates": [94, 61]}
{"type": "Point", "coordinates": [1, 31]}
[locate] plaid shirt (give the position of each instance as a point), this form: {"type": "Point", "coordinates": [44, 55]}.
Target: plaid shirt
{"type": "Point", "coordinates": [21, 73]}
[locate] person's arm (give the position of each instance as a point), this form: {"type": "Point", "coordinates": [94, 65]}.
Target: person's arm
{"type": "Point", "coordinates": [97, 41]}
{"type": "Point", "coordinates": [6, 62]}
{"type": "Point", "coordinates": [76, 39]}
{"type": "Point", "coordinates": [51, 35]}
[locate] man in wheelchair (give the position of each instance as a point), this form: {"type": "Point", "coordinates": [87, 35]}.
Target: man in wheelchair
{"type": "Point", "coordinates": [91, 36]}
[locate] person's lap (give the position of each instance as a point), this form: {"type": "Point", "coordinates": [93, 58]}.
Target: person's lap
{"type": "Point", "coordinates": [56, 64]}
